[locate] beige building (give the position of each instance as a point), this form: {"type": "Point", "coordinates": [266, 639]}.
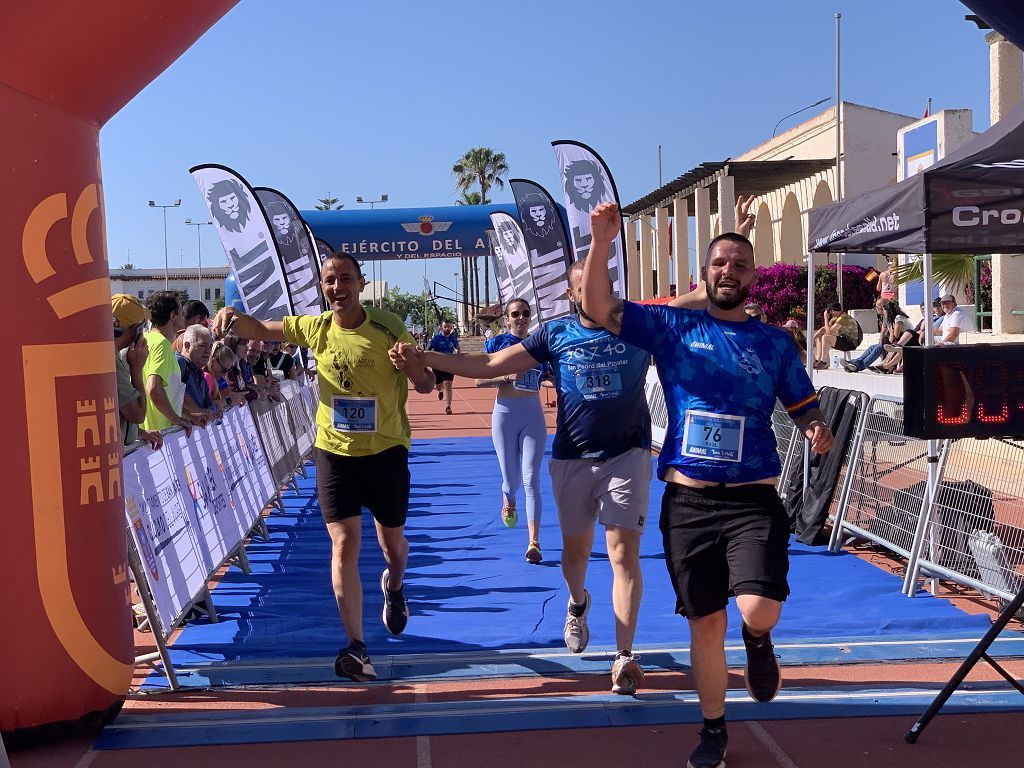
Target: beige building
{"type": "Point", "coordinates": [789, 174]}
{"type": "Point", "coordinates": [207, 284]}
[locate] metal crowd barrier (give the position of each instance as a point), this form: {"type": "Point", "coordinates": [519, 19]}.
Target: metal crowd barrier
{"type": "Point", "coordinates": [175, 537]}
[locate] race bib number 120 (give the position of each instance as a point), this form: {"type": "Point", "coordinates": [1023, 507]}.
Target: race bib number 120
{"type": "Point", "coordinates": [713, 436]}
{"type": "Point", "coordinates": [354, 414]}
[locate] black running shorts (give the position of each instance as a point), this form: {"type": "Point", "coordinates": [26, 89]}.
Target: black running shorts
{"type": "Point", "coordinates": [440, 376]}
{"type": "Point", "coordinates": [721, 542]}
{"type": "Point", "coordinates": [379, 482]}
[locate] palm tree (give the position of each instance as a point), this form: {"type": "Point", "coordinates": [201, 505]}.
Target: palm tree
{"type": "Point", "coordinates": [469, 198]}
{"type": "Point", "coordinates": [129, 265]}
{"type": "Point", "coordinates": [955, 270]}
{"type": "Point", "coordinates": [328, 203]}
{"type": "Point", "coordinates": [482, 167]}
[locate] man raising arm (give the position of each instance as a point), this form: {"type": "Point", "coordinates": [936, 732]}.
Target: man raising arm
{"type": "Point", "coordinates": [724, 528]}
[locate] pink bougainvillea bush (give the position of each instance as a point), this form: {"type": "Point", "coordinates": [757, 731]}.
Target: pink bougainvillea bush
{"type": "Point", "coordinates": [781, 291]}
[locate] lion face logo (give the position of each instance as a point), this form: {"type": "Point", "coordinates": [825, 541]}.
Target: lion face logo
{"type": "Point", "coordinates": [281, 220]}
{"type": "Point", "coordinates": [229, 205]}
{"type": "Point", "coordinates": [536, 216]}
{"type": "Point", "coordinates": [584, 184]}
{"type": "Point", "coordinates": [509, 237]}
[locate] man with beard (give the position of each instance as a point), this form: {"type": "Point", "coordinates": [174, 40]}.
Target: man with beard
{"type": "Point", "coordinates": [600, 461]}
{"type": "Point", "coordinates": [724, 528]}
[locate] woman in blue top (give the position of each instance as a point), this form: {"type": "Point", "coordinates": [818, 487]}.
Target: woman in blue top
{"type": "Point", "coordinates": [518, 429]}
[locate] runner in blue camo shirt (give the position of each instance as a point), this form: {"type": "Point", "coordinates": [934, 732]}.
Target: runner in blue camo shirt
{"type": "Point", "coordinates": [724, 528]}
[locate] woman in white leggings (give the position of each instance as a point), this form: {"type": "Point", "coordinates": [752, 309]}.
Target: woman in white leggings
{"type": "Point", "coordinates": [518, 429]}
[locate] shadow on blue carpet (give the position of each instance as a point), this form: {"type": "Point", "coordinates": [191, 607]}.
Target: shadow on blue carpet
{"type": "Point", "coordinates": [470, 588]}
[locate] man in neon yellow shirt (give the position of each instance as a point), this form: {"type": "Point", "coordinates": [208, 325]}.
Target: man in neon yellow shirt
{"type": "Point", "coordinates": [161, 374]}
{"type": "Point", "coordinates": [362, 442]}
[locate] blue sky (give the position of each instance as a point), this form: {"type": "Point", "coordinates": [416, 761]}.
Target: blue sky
{"type": "Point", "coordinates": [315, 97]}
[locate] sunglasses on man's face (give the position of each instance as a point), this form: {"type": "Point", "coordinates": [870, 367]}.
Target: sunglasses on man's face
{"type": "Point", "coordinates": [514, 314]}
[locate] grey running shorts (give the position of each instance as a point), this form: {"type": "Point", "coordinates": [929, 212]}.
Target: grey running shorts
{"type": "Point", "coordinates": [614, 491]}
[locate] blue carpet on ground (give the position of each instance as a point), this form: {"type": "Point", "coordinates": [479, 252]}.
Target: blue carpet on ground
{"type": "Point", "coordinates": [470, 589]}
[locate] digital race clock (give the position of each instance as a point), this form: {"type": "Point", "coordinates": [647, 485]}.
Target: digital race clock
{"type": "Point", "coordinates": [974, 390]}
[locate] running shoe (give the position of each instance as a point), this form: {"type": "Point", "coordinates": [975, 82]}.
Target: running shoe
{"type": "Point", "coordinates": [763, 675]}
{"type": "Point", "coordinates": [627, 675]}
{"type": "Point", "coordinates": [710, 753]}
{"type": "Point", "coordinates": [509, 516]}
{"type": "Point", "coordinates": [577, 633]}
{"type": "Point", "coordinates": [533, 553]}
{"type": "Point", "coordinates": [448, 410]}
{"type": "Point", "coordinates": [354, 663]}
{"type": "Point", "coordinates": [396, 610]}
{"type": "Point", "coordinates": [440, 395]}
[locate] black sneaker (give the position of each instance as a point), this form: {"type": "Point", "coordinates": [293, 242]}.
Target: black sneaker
{"type": "Point", "coordinates": [710, 753]}
{"type": "Point", "coordinates": [440, 395]}
{"type": "Point", "coordinates": [849, 367]}
{"type": "Point", "coordinates": [763, 675]}
{"type": "Point", "coordinates": [353, 662]}
{"type": "Point", "coordinates": [396, 610]}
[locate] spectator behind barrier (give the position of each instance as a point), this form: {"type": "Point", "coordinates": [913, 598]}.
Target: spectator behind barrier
{"type": "Point", "coordinates": [222, 362]}
{"type": "Point", "coordinates": [164, 390]}
{"type": "Point", "coordinates": [280, 360]}
{"type": "Point", "coordinates": [195, 313]}
{"type": "Point", "coordinates": [130, 353]}
{"type": "Point", "coordinates": [197, 344]}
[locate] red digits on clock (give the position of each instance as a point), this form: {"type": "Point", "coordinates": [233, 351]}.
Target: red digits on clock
{"type": "Point", "coordinates": [992, 384]}
{"type": "Point", "coordinates": [953, 406]}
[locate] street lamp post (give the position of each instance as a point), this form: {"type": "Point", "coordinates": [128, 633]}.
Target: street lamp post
{"type": "Point", "coordinates": [175, 204]}
{"type": "Point", "coordinates": [199, 243]}
{"type": "Point", "coordinates": [371, 203]}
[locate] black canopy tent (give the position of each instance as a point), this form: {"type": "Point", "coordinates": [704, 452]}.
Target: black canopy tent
{"type": "Point", "coordinates": [972, 201]}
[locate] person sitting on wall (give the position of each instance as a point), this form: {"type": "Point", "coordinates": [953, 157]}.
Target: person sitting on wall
{"type": "Point", "coordinates": [875, 351]}
{"type": "Point", "coordinates": [955, 322]}
{"type": "Point", "coordinates": [839, 331]}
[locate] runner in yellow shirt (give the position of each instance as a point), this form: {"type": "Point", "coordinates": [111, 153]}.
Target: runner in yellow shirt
{"type": "Point", "coordinates": [362, 443]}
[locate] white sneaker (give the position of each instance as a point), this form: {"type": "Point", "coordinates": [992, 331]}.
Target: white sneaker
{"type": "Point", "coordinates": [577, 633]}
{"type": "Point", "coordinates": [627, 675]}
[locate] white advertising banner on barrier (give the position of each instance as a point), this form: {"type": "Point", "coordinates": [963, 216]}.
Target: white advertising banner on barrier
{"type": "Point", "coordinates": [248, 441]}
{"type": "Point", "coordinates": [162, 530]}
{"type": "Point", "coordinates": [206, 497]}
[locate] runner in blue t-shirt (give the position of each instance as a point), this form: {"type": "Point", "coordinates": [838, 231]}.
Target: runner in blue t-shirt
{"type": "Point", "coordinates": [600, 461]}
{"type": "Point", "coordinates": [445, 341]}
{"type": "Point", "coordinates": [724, 527]}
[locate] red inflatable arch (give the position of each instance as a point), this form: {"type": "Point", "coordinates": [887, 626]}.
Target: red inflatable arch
{"type": "Point", "coordinates": [66, 66]}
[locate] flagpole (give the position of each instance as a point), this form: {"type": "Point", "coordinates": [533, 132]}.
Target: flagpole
{"type": "Point", "coordinates": [839, 150]}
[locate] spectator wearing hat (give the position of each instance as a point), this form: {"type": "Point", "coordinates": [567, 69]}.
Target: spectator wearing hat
{"type": "Point", "coordinates": [838, 331]}
{"type": "Point", "coordinates": [164, 391]}
{"type": "Point", "coordinates": [130, 353]}
{"type": "Point", "coordinates": [954, 323]}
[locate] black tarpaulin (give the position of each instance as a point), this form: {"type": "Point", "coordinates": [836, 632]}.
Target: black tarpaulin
{"type": "Point", "coordinates": [971, 201]}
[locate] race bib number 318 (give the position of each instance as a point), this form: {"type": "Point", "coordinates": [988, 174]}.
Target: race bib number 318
{"type": "Point", "coordinates": [713, 436]}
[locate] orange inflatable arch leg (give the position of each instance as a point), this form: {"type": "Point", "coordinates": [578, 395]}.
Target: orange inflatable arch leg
{"type": "Point", "coordinates": [66, 648]}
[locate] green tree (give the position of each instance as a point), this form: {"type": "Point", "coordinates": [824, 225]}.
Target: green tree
{"type": "Point", "coordinates": [954, 270]}
{"type": "Point", "coordinates": [328, 203]}
{"type": "Point", "coordinates": [480, 167]}
{"type": "Point", "coordinates": [129, 265]}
